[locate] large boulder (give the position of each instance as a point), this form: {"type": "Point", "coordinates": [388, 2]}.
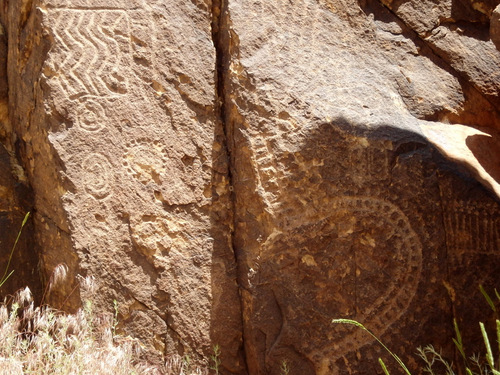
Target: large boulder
{"type": "Point", "coordinates": [347, 205]}
{"type": "Point", "coordinates": [239, 173]}
{"type": "Point", "coordinates": [115, 104]}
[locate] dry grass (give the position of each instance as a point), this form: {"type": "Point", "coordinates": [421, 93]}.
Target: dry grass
{"type": "Point", "coordinates": [42, 340]}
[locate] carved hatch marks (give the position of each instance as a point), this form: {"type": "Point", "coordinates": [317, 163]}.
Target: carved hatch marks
{"type": "Point", "coordinates": [274, 42]}
{"type": "Point", "coordinates": [472, 227]}
{"type": "Point", "coordinates": [386, 249]}
{"type": "Point", "coordinates": [97, 173]}
{"type": "Point", "coordinates": [366, 262]}
{"type": "Point", "coordinates": [93, 55]}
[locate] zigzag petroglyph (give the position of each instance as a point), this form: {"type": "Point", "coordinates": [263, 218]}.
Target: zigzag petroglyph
{"type": "Point", "coordinates": [96, 45]}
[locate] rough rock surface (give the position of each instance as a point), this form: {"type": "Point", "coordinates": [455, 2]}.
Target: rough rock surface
{"type": "Point", "coordinates": [15, 199]}
{"type": "Point", "coordinates": [457, 31]}
{"type": "Point", "coordinates": [241, 172]}
{"type": "Point", "coordinates": [116, 105]}
{"type": "Point", "coordinates": [495, 27]}
{"type": "Point", "coordinates": [344, 208]}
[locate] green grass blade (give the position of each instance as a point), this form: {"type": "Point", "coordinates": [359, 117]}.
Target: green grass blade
{"type": "Point", "coordinates": [349, 321]}
{"type": "Point", "coordinates": [489, 353]}
{"type": "Point", "coordinates": [5, 277]}
{"type": "Point", "coordinates": [460, 348]}
{"type": "Point", "coordinates": [384, 368]}
{"type": "Point", "coordinates": [357, 324]}
{"type": "Point", "coordinates": [488, 298]}
{"type": "Point", "coordinates": [498, 340]}
{"type": "Point", "coordinates": [458, 342]}
{"type": "Point", "coordinates": [457, 333]}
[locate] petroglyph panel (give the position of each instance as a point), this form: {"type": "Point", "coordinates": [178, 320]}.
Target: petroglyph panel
{"type": "Point", "coordinates": [96, 49]}
{"type": "Point", "coordinates": [119, 99]}
{"type": "Point", "coordinates": [366, 260]}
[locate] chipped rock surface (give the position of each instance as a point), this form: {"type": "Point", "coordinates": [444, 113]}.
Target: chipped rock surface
{"type": "Point", "coordinates": [115, 104]}
{"type": "Point", "coordinates": [241, 172]}
{"type": "Point", "coordinates": [344, 205]}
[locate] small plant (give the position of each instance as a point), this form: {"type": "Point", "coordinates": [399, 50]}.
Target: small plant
{"type": "Point", "coordinates": [43, 340]}
{"type": "Point", "coordinates": [215, 358]}
{"type": "Point", "coordinates": [474, 365]}
{"type": "Point", "coordinates": [382, 364]}
{"type": "Point", "coordinates": [115, 316]}
{"type": "Point", "coordinates": [284, 369]}
{"type": "Point", "coordinates": [6, 274]}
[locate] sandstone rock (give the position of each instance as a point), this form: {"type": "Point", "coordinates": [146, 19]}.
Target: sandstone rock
{"type": "Point", "coordinates": [477, 150]}
{"type": "Point", "coordinates": [457, 31]}
{"type": "Point", "coordinates": [343, 206]}
{"type": "Point", "coordinates": [311, 160]}
{"type": "Point", "coordinates": [15, 200]}
{"type": "Point", "coordinates": [495, 27]}
{"type": "Point", "coordinates": [116, 105]}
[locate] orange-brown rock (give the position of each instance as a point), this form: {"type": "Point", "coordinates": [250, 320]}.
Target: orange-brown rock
{"type": "Point", "coordinates": [345, 203]}
{"type": "Point", "coordinates": [495, 27]}
{"type": "Point", "coordinates": [114, 103]}
{"type": "Point", "coordinates": [241, 172]}
{"type": "Point", "coordinates": [15, 200]}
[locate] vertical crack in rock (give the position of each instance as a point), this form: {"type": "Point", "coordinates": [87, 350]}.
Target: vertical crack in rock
{"type": "Point", "coordinates": [221, 40]}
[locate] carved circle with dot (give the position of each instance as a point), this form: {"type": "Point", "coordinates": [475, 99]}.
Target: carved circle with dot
{"type": "Point", "coordinates": [91, 116]}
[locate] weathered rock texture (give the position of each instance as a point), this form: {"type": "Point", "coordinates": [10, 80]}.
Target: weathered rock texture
{"type": "Point", "coordinates": [343, 206]}
{"type": "Point", "coordinates": [15, 199]}
{"type": "Point", "coordinates": [241, 172]}
{"type": "Point", "coordinates": [115, 103]}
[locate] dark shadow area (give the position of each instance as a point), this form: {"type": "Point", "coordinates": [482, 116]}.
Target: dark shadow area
{"type": "Point", "coordinates": [226, 318]}
{"type": "Point", "coordinates": [470, 29]}
{"type": "Point", "coordinates": [16, 199]}
{"type": "Point", "coordinates": [372, 223]}
{"type": "Point", "coordinates": [463, 10]}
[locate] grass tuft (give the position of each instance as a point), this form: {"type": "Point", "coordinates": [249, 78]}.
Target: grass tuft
{"type": "Point", "coordinates": [43, 340]}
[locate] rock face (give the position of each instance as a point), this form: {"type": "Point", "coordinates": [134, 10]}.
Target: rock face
{"type": "Point", "coordinates": [343, 206]}
{"type": "Point", "coordinates": [495, 27]}
{"type": "Point", "coordinates": [115, 102]}
{"type": "Point", "coordinates": [15, 200]}
{"type": "Point", "coordinates": [241, 172]}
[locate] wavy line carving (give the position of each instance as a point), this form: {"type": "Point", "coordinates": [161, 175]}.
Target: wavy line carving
{"type": "Point", "coordinates": [96, 51]}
